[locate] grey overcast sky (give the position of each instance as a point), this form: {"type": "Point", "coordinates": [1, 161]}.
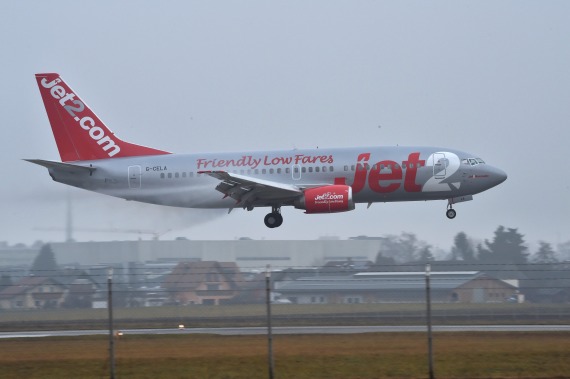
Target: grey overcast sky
{"type": "Point", "coordinates": [487, 77]}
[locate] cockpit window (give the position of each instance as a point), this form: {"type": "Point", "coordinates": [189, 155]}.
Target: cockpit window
{"type": "Point", "coordinates": [472, 161]}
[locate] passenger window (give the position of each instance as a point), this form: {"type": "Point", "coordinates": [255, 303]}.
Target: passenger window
{"type": "Point", "coordinates": [169, 175]}
{"type": "Point", "coordinates": [162, 176]}
{"type": "Point", "coordinates": [331, 168]}
{"type": "Point", "coordinates": [264, 171]}
{"type": "Point", "coordinates": [279, 171]}
{"type": "Point", "coordinates": [184, 174]}
{"type": "Point", "coordinates": [191, 175]}
{"type": "Point", "coordinates": [303, 169]}
{"type": "Point", "coordinates": [176, 175]}
{"type": "Point", "coordinates": [352, 168]}
{"type": "Point", "coordinates": [241, 172]}
{"type": "Point", "coordinates": [345, 168]}
{"type": "Point", "coordinates": [271, 171]}
{"type": "Point", "coordinates": [317, 169]}
{"type": "Point", "coordinates": [296, 170]}
{"type": "Point", "coordinates": [310, 169]}
{"type": "Point", "coordinates": [256, 171]}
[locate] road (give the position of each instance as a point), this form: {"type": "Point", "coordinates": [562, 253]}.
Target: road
{"type": "Point", "coordinates": [298, 330]}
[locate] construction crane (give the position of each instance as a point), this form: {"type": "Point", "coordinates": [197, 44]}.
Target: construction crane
{"type": "Point", "coordinates": [155, 235]}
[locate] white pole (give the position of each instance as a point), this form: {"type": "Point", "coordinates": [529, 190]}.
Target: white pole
{"type": "Point", "coordinates": [269, 331]}
{"type": "Point", "coordinates": [111, 337]}
{"type": "Point", "coordinates": [428, 304]}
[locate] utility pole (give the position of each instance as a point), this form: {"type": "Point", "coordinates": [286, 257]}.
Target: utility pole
{"type": "Point", "coordinates": [269, 331]}
{"type": "Point", "coordinates": [428, 304]}
{"type": "Point", "coordinates": [111, 336]}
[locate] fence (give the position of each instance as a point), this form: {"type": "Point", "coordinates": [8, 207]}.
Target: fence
{"type": "Point", "coordinates": [223, 294]}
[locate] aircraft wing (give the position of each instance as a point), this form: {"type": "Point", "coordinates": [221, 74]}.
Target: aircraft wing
{"type": "Point", "coordinates": [65, 167]}
{"type": "Point", "coordinates": [249, 191]}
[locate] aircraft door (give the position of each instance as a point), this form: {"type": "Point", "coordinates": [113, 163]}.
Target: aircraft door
{"type": "Point", "coordinates": [134, 176]}
{"type": "Point", "coordinates": [296, 171]}
{"type": "Point", "coordinates": [439, 165]}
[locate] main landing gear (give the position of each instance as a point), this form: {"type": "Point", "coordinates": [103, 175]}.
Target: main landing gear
{"type": "Point", "coordinates": [274, 219]}
{"type": "Point", "coordinates": [450, 213]}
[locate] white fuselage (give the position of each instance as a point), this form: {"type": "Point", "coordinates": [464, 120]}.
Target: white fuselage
{"type": "Point", "coordinates": [376, 174]}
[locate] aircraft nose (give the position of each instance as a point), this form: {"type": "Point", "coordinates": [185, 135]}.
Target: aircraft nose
{"type": "Point", "coordinates": [497, 175]}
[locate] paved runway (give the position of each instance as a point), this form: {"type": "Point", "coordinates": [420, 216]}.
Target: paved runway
{"type": "Point", "coordinates": [299, 330]}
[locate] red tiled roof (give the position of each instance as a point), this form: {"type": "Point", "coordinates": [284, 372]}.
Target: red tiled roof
{"type": "Point", "coordinates": [189, 275]}
{"type": "Point", "coordinates": [24, 285]}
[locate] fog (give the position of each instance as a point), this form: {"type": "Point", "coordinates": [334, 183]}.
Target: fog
{"type": "Point", "coordinates": [486, 77]}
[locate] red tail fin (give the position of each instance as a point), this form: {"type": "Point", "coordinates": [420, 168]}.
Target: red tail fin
{"type": "Point", "coordinates": [80, 135]}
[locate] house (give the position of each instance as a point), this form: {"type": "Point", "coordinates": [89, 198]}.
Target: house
{"type": "Point", "coordinates": [485, 289]}
{"type": "Point", "coordinates": [81, 287]}
{"type": "Point", "coordinates": [33, 292]}
{"type": "Point", "coordinates": [203, 282]}
{"type": "Point", "coordinates": [396, 287]}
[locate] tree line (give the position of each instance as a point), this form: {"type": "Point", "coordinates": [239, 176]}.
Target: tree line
{"type": "Point", "coordinates": [506, 247]}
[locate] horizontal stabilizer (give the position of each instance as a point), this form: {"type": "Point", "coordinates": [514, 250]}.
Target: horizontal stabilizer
{"type": "Point", "coordinates": [60, 166]}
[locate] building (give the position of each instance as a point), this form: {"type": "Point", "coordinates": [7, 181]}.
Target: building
{"type": "Point", "coordinates": [396, 287]}
{"type": "Point", "coordinates": [33, 292]}
{"type": "Point", "coordinates": [485, 289]}
{"type": "Point", "coordinates": [206, 283]}
{"type": "Point", "coordinates": [250, 255]}
{"type": "Point", "coordinates": [20, 255]}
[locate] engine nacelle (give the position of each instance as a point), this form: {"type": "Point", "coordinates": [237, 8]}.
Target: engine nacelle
{"type": "Point", "coordinates": [327, 199]}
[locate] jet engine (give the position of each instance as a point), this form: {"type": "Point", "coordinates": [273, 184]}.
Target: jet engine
{"type": "Point", "coordinates": [326, 199]}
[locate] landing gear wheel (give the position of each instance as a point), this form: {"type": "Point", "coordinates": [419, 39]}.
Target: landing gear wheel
{"type": "Point", "coordinates": [273, 220]}
{"type": "Point", "coordinates": [451, 213]}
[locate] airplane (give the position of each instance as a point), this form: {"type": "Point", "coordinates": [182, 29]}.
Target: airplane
{"type": "Point", "coordinates": [322, 180]}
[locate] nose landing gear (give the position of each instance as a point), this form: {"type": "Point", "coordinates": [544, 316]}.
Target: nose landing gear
{"type": "Point", "coordinates": [450, 213]}
{"type": "Point", "coordinates": [273, 219]}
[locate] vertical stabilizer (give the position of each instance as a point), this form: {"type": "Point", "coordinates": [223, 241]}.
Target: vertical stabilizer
{"type": "Point", "coordinates": [80, 135]}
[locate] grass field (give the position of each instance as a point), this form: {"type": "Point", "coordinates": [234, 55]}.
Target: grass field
{"type": "Point", "coordinates": [291, 314]}
{"type": "Point", "coordinates": [360, 356]}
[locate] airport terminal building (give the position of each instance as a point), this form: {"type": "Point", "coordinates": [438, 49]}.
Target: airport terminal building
{"type": "Point", "coordinates": [249, 255]}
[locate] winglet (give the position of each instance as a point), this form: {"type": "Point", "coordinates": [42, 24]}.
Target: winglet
{"type": "Point", "coordinates": [79, 134]}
